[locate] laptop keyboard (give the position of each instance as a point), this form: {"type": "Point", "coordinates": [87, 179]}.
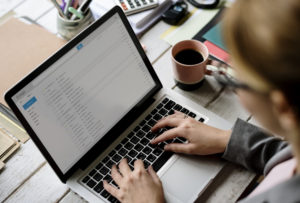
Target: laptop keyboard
{"type": "Point", "coordinates": [136, 145]}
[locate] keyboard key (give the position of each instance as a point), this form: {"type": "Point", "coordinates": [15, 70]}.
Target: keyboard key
{"type": "Point", "coordinates": [128, 159]}
{"type": "Point", "coordinates": [130, 135]}
{"type": "Point", "coordinates": [161, 145]}
{"type": "Point", "coordinates": [184, 110]}
{"type": "Point", "coordinates": [124, 140]}
{"type": "Point", "coordinates": [147, 150]}
{"type": "Point", "coordinates": [159, 106]}
{"type": "Point", "coordinates": [112, 199]}
{"type": "Point", "coordinates": [157, 117]}
{"type": "Point", "coordinates": [134, 140]}
{"type": "Point", "coordinates": [114, 183]}
{"type": "Point", "coordinates": [151, 158]}
{"type": "Point", "coordinates": [99, 187]}
{"type": "Point", "coordinates": [85, 179]}
{"type": "Point", "coordinates": [123, 152]}
{"type": "Point", "coordinates": [118, 147]}
{"type": "Point", "coordinates": [171, 112]}
{"type": "Point", "coordinates": [138, 147]}
{"type": "Point", "coordinates": [104, 170]}
{"type": "Point", "coordinates": [104, 194]}
{"type": "Point", "coordinates": [137, 128]}
{"type": "Point", "coordinates": [157, 151]}
{"type": "Point", "coordinates": [132, 153]}
{"type": "Point", "coordinates": [92, 172]}
{"type": "Point", "coordinates": [161, 160]}
{"type": "Point", "coordinates": [201, 120]}
{"type": "Point", "coordinates": [108, 178]}
{"type": "Point", "coordinates": [191, 114]}
{"type": "Point", "coordinates": [117, 158]}
{"type": "Point", "coordinates": [177, 107]}
{"type": "Point", "coordinates": [128, 146]}
{"type": "Point", "coordinates": [91, 183]}
{"type": "Point", "coordinates": [112, 153]}
{"type": "Point", "coordinates": [146, 164]}
{"type": "Point", "coordinates": [163, 111]}
{"type": "Point", "coordinates": [141, 156]}
{"type": "Point", "coordinates": [169, 105]}
{"type": "Point", "coordinates": [165, 100]}
{"type": "Point", "coordinates": [142, 122]}
{"type": "Point", "coordinates": [105, 159]}
{"type": "Point", "coordinates": [97, 177]}
{"type": "Point", "coordinates": [146, 128]}
{"type": "Point", "coordinates": [169, 141]}
{"type": "Point", "coordinates": [140, 134]}
{"type": "Point", "coordinates": [148, 117]}
{"type": "Point", "coordinates": [151, 122]}
{"type": "Point", "coordinates": [109, 164]}
{"type": "Point", "coordinates": [154, 111]}
{"type": "Point", "coordinates": [150, 135]}
{"type": "Point", "coordinates": [144, 141]}
{"type": "Point", "coordinates": [99, 166]}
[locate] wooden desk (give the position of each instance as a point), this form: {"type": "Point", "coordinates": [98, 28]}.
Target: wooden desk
{"type": "Point", "coordinates": [28, 178]}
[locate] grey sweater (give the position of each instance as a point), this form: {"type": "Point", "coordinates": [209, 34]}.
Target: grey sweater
{"type": "Point", "coordinates": [254, 149]}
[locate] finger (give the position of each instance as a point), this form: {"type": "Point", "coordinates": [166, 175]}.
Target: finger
{"type": "Point", "coordinates": [179, 148]}
{"type": "Point", "coordinates": [124, 168]}
{"type": "Point", "coordinates": [170, 122]}
{"type": "Point", "coordinates": [167, 135]}
{"type": "Point", "coordinates": [153, 174]}
{"type": "Point", "coordinates": [109, 188]}
{"type": "Point", "coordinates": [116, 175]}
{"type": "Point", "coordinates": [138, 165]}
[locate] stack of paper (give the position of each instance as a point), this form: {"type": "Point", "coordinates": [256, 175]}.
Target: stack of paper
{"type": "Point", "coordinates": [7, 147]}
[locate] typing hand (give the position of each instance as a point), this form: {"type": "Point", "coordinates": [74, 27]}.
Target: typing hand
{"type": "Point", "coordinates": [139, 185]}
{"type": "Point", "coordinates": [202, 139]}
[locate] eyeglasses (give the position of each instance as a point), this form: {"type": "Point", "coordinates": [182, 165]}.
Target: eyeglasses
{"type": "Point", "coordinates": [224, 75]}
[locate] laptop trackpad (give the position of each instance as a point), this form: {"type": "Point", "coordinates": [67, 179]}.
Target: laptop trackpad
{"type": "Point", "coordinates": [188, 176]}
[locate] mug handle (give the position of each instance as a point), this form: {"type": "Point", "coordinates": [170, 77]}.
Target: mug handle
{"type": "Point", "coordinates": [214, 65]}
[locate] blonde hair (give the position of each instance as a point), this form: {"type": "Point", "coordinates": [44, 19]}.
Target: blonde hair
{"type": "Point", "coordinates": [264, 38]}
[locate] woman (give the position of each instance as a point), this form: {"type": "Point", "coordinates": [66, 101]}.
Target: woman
{"type": "Point", "coordinates": [263, 37]}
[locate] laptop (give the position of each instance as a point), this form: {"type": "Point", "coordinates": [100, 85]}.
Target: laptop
{"type": "Point", "coordinates": [93, 103]}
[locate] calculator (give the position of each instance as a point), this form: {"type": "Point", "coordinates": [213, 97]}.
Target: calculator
{"type": "Point", "coordinates": [134, 6]}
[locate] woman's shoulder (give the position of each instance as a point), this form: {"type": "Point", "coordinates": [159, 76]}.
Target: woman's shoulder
{"type": "Point", "coordinates": [287, 191]}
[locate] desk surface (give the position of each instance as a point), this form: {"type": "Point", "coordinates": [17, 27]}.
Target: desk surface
{"type": "Point", "coordinates": [27, 176]}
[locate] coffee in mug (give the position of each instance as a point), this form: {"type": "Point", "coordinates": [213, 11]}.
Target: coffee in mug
{"type": "Point", "coordinates": [189, 63]}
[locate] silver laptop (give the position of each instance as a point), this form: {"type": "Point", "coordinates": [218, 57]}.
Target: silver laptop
{"type": "Point", "coordinates": [93, 103]}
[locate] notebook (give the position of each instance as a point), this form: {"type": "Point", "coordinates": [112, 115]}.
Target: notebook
{"type": "Point", "coordinates": [93, 103]}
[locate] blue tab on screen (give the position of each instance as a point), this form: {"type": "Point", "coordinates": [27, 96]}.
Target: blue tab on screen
{"type": "Point", "coordinates": [29, 103]}
{"type": "Point", "coordinates": [79, 46]}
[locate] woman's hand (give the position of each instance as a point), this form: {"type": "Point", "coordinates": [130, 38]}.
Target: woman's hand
{"type": "Point", "coordinates": [139, 185]}
{"type": "Point", "coordinates": [202, 139]}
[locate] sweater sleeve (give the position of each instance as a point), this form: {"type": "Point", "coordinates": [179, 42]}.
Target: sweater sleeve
{"type": "Point", "coordinates": [251, 147]}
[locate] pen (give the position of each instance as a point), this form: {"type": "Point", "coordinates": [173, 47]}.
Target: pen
{"type": "Point", "coordinates": [82, 8]}
{"type": "Point", "coordinates": [68, 3]}
{"type": "Point", "coordinates": [75, 12]}
{"type": "Point", "coordinates": [58, 8]}
{"type": "Point", "coordinates": [63, 5]}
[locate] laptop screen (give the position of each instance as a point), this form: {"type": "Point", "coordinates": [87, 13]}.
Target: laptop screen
{"type": "Point", "coordinates": [80, 97]}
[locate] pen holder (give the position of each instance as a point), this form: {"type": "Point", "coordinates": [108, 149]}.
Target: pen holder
{"type": "Point", "coordinates": [68, 28]}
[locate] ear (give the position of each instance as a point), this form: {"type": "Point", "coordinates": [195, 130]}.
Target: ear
{"type": "Point", "coordinates": [283, 110]}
